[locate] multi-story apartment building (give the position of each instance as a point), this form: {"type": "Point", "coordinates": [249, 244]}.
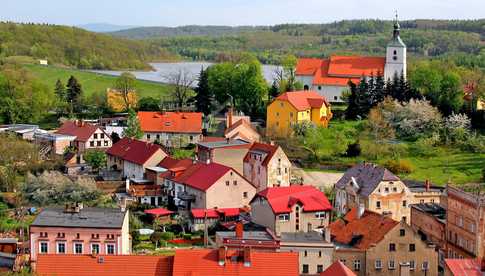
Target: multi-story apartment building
{"type": "Point", "coordinates": [464, 223]}
{"type": "Point", "coordinates": [291, 209]}
{"type": "Point", "coordinates": [374, 244]}
{"type": "Point", "coordinates": [266, 166]}
{"type": "Point", "coordinates": [381, 191]}
{"type": "Point", "coordinates": [78, 230]}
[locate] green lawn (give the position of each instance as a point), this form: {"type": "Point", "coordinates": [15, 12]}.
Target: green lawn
{"type": "Point", "coordinates": [92, 82]}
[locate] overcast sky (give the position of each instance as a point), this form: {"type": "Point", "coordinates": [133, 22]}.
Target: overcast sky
{"type": "Point", "coordinates": [230, 12]}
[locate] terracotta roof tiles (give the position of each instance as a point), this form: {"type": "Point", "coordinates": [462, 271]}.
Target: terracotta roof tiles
{"type": "Point", "coordinates": [463, 267]}
{"type": "Point", "coordinates": [134, 151]}
{"type": "Point", "coordinates": [303, 100]}
{"type": "Point", "coordinates": [83, 131]}
{"type": "Point", "coordinates": [173, 122]}
{"type": "Point", "coordinates": [338, 269]}
{"type": "Point", "coordinates": [268, 149]}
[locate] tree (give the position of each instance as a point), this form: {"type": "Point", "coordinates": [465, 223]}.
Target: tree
{"type": "Point", "coordinates": [95, 158]}
{"type": "Point", "coordinates": [125, 84]}
{"type": "Point", "coordinates": [273, 91]}
{"type": "Point", "coordinates": [60, 91]}
{"type": "Point", "coordinates": [133, 128]}
{"type": "Point", "coordinates": [204, 96]}
{"type": "Point", "coordinates": [182, 82]}
{"type": "Point", "coordinates": [286, 76]}
{"type": "Point", "coordinates": [115, 137]}
{"type": "Point", "coordinates": [148, 104]}
{"type": "Point", "coordinates": [74, 93]}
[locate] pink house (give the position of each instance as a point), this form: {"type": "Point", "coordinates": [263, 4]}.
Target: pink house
{"type": "Point", "coordinates": [78, 230]}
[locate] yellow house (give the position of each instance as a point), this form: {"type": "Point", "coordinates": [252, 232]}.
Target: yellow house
{"type": "Point", "coordinates": [292, 108]}
{"type": "Point", "coordinates": [117, 102]}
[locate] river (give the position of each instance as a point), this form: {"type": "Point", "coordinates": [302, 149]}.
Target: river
{"type": "Point", "coordinates": [163, 70]}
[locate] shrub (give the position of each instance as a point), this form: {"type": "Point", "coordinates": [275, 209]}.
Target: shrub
{"type": "Point", "coordinates": [166, 236]}
{"type": "Point", "coordinates": [187, 236]}
{"type": "Point", "coordinates": [156, 237]}
{"type": "Point", "coordinates": [353, 150]}
{"type": "Point", "coordinates": [399, 166]}
{"type": "Point", "coordinates": [473, 143]}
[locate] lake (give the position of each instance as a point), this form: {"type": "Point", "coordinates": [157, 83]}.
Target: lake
{"type": "Point", "coordinates": [163, 70]}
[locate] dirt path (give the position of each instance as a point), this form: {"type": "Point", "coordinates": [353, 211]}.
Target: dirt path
{"type": "Point", "coordinates": [318, 179]}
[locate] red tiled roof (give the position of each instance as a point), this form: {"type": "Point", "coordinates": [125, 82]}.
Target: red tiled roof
{"type": "Point", "coordinates": [361, 233]}
{"type": "Point", "coordinates": [175, 122]}
{"type": "Point", "coordinates": [204, 262]}
{"type": "Point", "coordinates": [281, 199]}
{"type": "Point", "coordinates": [202, 176]}
{"type": "Point", "coordinates": [463, 267]}
{"type": "Point", "coordinates": [338, 269]}
{"type": "Point", "coordinates": [215, 213]}
{"type": "Point", "coordinates": [114, 265]}
{"type": "Point", "coordinates": [240, 124]}
{"type": "Point", "coordinates": [270, 150]}
{"type": "Point", "coordinates": [303, 100]}
{"type": "Point", "coordinates": [339, 70]}
{"type": "Point", "coordinates": [170, 163]}
{"type": "Point", "coordinates": [158, 212]}
{"type": "Point", "coordinates": [83, 131]}
{"type": "Point", "coordinates": [134, 151]}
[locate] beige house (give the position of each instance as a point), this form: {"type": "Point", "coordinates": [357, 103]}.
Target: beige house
{"type": "Point", "coordinates": [132, 157]}
{"type": "Point", "coordinates": [267, 166]}
{"type": "Point", "coordinates": [291, 209]}
{"type": "Point", "coordinates": [381, 191]}
{"type": "Point", "coordinates": [240, 127]}
{"type": "Point", "coordinates": [373, 244]}
{"type": "Point", "coordinates": [209, 185]}
{"type": "Point", "coordinates": [228, 152]}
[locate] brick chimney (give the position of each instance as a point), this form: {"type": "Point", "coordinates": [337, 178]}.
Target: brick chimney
{"type": "Point", "coordinates": [239, 230]}
{"type": "Point", "coordinates": [222, 255]}
{"type": "Point", "coordinates": [247, 256]}
{"type": "Point", "coordinates": [229, 117]}
{"type": "Point", "coordinates": [427, 185]}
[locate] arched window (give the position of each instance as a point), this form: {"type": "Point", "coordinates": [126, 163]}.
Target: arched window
{"type": "Point", "coordinates": [395, 52]}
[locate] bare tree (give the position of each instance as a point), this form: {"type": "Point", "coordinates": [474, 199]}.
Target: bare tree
{"type": "Point", "coordinates": [125, 84]}
{"type": "Point", "coordinates": [182, 80]}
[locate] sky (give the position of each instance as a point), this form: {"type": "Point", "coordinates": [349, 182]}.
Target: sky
{"type": "Point", "coordinates": [230, 12]}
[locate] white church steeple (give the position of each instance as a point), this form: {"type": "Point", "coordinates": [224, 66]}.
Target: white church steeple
{"type": "Point", "coordinates": [395, 54]}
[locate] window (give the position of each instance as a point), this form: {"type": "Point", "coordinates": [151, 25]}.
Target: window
{"type": "Point", "coordinates": [319, 254]}
{"type": "Point", "coordinates": [281, 104]}
{"type": "Point", "coordinates": [395, 52]}
{"type": "Point", "coordinates": [460, 221]}
{"type": "Point", "coordinates": [320, 215]}
{"type": "Point", "coordinates": [343, 261]}
{"type": "Point", "coordinates": [421, 201]}
{"type": "Point", "coordinates": [335, 97]}
{"type": "Point", "coordinates": [392, 247]}
{"type": "Point", "coordinates": [44, 247]}
{"type": "Point", "coordinates": [102, 135]}
{"type": "Point", "coordinates": [98, 143]}
{"type": "Point", "coordinates": [378, 205]}
{"type": "Point", "coordinates": [319, 87]}
{"type": "Point", "coordinates": [61, 248]}
{"type": "Point", "coordinates": [277, 114]}
{"type": "Point", "coordinates": [95, 136]}
{"type": "Point", "coordinates": [412, 265]}
{"type": "Point", "coordinates": [357, 265]}
{"type": "Point", "coordinates": [234, 182]}
{"type": "Point", "coordinates": [404, 203]}
{"type": "Point", "coordinates": [378, 264]}
{"type": "Point", "coordinates": [245, 194]}
{"type": "Point", "coordinates": [402, 232]}
{"type": "Point", "coordinates": [386, 189]}
{"type": "Point", "coordinates": [319, 268]}
{"type": "Point", "coordinates": [279, 171]}
{"type": "Point", "coordinates": [91, 144]}
{"type": "Point", "coordinates": [110, 249]}
{"type": "Point", "coordinates": [394, 189]}
{"type": "Point", "coordinates": [472, 227]}
{"type": "Point", "coordinates": [404, 218]}
{"type": "Point", "coordinates": [78, 248]}
{"type": "Point", "coordinates": [148, 136]}
{"type": "Point", "coordinates": [412, 247]}
{"type": "Point", "coordinates": [392, 265]}
{"type": "Point", "coordinates": [284, 217]}
{"type": "Point", "coordinates": [227, 183]}
{"type": "Point", "coordinates": [95, 248]}
{"type": "Point", "coordinates": [305, 253]}
{"type": "Point", "coordinates": [425, 265]}
{"type": "Point", "coordinates": [106, 143]}
{"type": "Point", "coordinates": [291, 114]}
{"type": "Point", "coordinates": [158, 136]}
{"type": "Point", "coordinates": [305, 269]}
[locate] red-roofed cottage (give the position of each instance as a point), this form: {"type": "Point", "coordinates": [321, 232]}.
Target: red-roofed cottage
{"type": "Point", "coordinates": [266, 165]}
{"type": "Point", "coordinates": [330, 77]}
{"type": "Point", "coordinates": [171, 129]}
{"type": "Point", "coordinates": [208, 185]}
{"type": "Point", "coordinates": [291, 209]}
{"type": "Point", "coordinates": [369, 243]}
{"type": "Point", "coordinates": [132, 157]}
{"type": "Point", "coordinates": [292, 108]}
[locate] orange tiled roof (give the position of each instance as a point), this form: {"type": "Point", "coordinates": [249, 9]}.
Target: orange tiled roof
{"type": "Point", "coordinates": [204, 262]}
{"type": "Point", "coordinates": [467, 267]}
{"type": "Point", "coordinates": [361, 233]}
{"type": "Point", "coordinates": [338, 269]}
{"type": "Point", "coordinates": [174, 122]}
{"type": "Point", "coordinates": [117, 265]}
{"type": "Point", "coordinates": [308, 66]}
{"type": "Point", "coordinates": [303, 100]}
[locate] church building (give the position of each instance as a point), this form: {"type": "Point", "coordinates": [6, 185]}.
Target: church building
{"type": "Point", "coordinates": [329, 77]}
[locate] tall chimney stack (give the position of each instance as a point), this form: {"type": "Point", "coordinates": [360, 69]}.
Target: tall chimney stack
{"type": "Point", "coordinates": [239, 230]}
{"type": "Point", "coordinates": [427, 183]}
{"type": "Point", "coordinates": [229, 117]}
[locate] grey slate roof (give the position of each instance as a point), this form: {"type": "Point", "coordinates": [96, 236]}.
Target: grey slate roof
{"type": "Point", "coordinates": [432, 209]}
{"type": "Point", "coordinates": [367, 176]}
{"type": "Point", "coordinates": [86, 218]}
{"type": "Point", "coordinates": [222, 144]}
{"type": "Point", "coordinates": [306, 237]}
{"type": "Point", "coordinates": [419, 186]}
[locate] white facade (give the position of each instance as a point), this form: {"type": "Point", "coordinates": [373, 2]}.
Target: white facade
{"type": "Point", "coordinates": [132, 170]}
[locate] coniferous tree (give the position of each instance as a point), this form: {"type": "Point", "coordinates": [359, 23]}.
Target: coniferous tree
{"type": "Point", "coordinates": [133, 128]}
{"type": "Point", "coordinates": [204, 98]}
{"type": "Point", "coordinates": [60, 91]}
{"type": "Point", "coordinates": [73, 93]}
{"type": "Point", "coordinates": [273, 91]}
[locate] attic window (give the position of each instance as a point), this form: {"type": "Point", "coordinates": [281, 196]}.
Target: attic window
{"type": "Point", "coordinates": [168, 124]}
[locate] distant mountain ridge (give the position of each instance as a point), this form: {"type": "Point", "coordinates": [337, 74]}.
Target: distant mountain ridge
{"type": "Point", "coordinates": [105, 27]}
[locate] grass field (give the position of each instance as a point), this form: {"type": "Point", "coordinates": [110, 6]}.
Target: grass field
{"type": "Point", "coordinates": [448, 163]}
{"type": "Point", "coordinates": [92, 82]}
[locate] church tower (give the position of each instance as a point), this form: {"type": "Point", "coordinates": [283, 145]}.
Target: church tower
{"type": "Point", "coordinates": [395, 54]}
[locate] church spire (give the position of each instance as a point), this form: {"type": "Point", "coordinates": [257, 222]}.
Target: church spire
{"type": "Point", "coordinates": [397, 28]}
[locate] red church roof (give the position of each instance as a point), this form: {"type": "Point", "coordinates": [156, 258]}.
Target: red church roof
{"type": "Point", "coordinates": [174, 122]}
{"type": "Point", "coordinates": [339, 70]}
{"type": "Point", "coordinates": [282, 199]}
{"type": "Point", "coordinates": [82, 130]}
{"type": "Point", "coordinates": [134, 151]}
{"type": "Point", "coordinates": [303, 100]}
{"type": "Point", "coordinates": [205, 262]}
{"type": "Point", "coordinates": [112, 265]}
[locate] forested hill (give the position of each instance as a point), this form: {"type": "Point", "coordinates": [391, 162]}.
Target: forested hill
{"type": "Point", "coordinates": [76, 47]}
{"type": "Point", "coordinates": [461, 40]}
